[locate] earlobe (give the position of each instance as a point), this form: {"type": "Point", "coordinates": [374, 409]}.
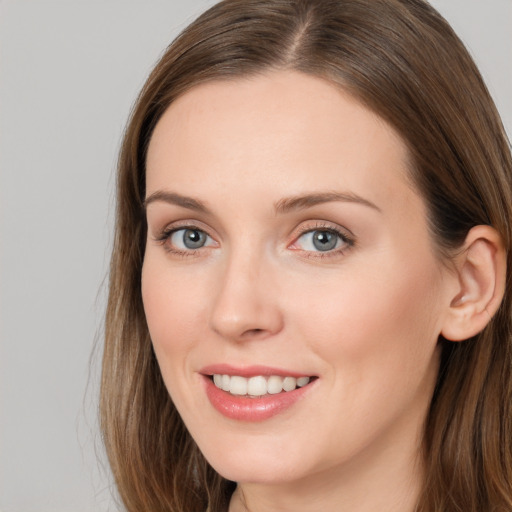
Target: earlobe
{"type": "Point", "coordinates": [481, 274]}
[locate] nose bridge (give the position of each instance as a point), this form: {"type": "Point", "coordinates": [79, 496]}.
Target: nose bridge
{"type": "Point", "coordinates": [246, 305]}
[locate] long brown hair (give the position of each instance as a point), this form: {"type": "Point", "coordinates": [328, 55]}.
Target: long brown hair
{"type": "Point", "coordinates": [401, 59]}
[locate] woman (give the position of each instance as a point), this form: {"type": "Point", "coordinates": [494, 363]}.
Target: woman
{"type": "Point", "coordinates": [309, 300]}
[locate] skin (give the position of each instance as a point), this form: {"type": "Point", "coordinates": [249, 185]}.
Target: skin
{"type": "Point", "coordinates": [364, 318]}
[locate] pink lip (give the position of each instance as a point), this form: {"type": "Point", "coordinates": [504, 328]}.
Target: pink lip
{"type": "Point", "coordinates": [244, 408]}
{"type": "Point", "coordinates": [249, 371]}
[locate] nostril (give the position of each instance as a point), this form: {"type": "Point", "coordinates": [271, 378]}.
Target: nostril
{"type": "Point", "coordinates": [252, 333]}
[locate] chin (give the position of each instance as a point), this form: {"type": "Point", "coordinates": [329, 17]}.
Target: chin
{"type": "Point", "coordinates": [256, 464]}
{"type": "Point", "coordinates": [268, 473]}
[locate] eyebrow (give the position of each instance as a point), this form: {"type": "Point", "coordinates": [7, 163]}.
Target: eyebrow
{"type": "Point", "coordinates": [285, 205]}
{"type": "Point", "coordinates": [172, 198]}
{"type": "Point", "coordinates": [307, 201]}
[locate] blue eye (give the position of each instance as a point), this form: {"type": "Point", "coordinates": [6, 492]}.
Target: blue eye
{"type": "Point", "coordinates": [321, 240]}
{"type": "Point", "coordinates": [189, 239]}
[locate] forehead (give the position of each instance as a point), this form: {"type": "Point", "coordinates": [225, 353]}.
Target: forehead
{"type": "Point", "coordinates": [284, 131]}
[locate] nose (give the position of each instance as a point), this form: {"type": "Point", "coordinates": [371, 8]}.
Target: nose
{"type": "Point", "coordinates": [246, 304]}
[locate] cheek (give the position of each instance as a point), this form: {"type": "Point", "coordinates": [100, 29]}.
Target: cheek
{"type": "Point", "coordinates": [172, 307]}
{"type": "Point", "coordinates": [176, 325]}
{"type": "Point", "coordinates": [387, 315]}
{"type": "Point", "coordinates": [377, 334]}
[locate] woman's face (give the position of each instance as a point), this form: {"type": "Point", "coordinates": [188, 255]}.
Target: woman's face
{"type": "Point", "coordinates": [285, 242]}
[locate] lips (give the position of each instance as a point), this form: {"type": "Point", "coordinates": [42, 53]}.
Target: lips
{"type": "Point", "coordinates": [254, 393]}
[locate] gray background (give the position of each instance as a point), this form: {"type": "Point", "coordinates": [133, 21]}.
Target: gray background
{"type": "Point", "coordinates": [69, 72]}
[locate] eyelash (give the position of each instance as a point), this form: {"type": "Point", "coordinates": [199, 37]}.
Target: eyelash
{"type": "Point", "coordinates": [348, 240]}
{"type": "Point", "coordinates": [166, 234]}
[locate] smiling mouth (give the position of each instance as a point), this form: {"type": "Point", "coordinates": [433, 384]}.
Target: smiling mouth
{"type": "Point", "coordinates": [259, 385]}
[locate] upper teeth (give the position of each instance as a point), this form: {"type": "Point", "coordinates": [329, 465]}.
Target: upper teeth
{"type": "Point", "coordinates": [259, 385]}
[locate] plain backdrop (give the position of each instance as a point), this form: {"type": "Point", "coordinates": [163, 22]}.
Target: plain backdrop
{"type": "Point", "coordinates": [69, 73]}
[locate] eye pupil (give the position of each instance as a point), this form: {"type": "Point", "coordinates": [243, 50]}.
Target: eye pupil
{"type": "Point", "coordinates": [324, 240]}
{"type": "Point", "coordinates": [193, 238]}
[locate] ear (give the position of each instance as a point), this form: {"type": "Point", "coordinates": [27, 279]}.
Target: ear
{"type": "Point", "coordinates": [481, 274]}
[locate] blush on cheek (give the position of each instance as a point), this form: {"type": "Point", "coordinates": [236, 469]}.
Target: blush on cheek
{"type": "Point", "coordinates": [375, 313]}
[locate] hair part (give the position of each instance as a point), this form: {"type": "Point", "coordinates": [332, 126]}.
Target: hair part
{"type": "Point", "coordinates": [402, 60]}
